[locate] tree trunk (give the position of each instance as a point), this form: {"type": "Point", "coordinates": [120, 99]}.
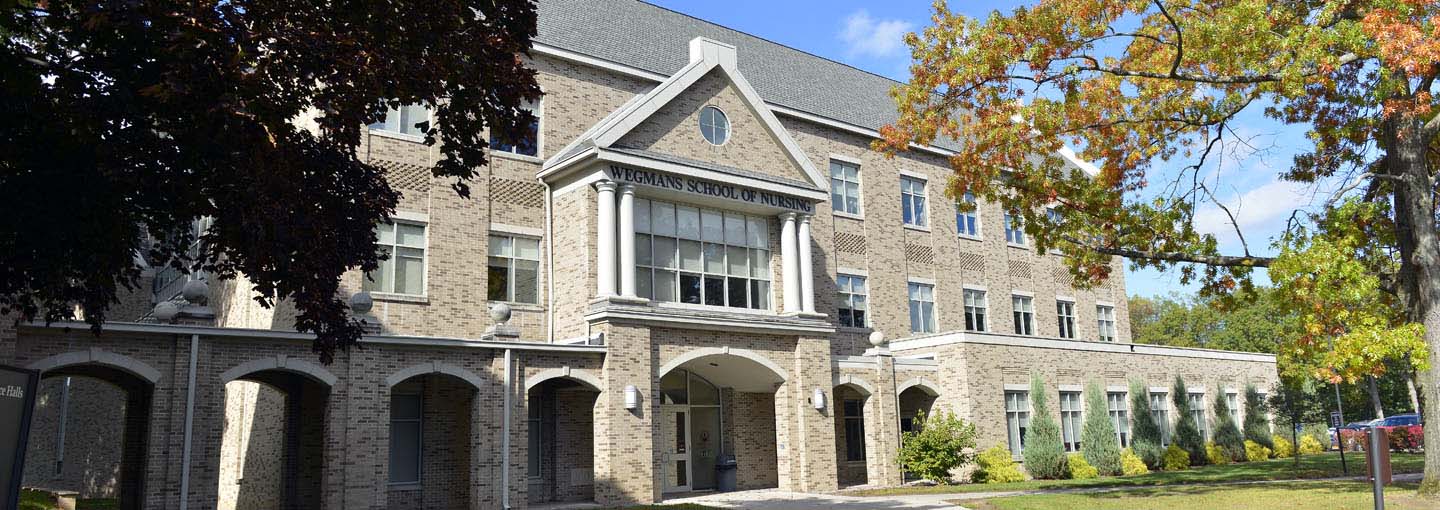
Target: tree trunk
{"type": "Point", "coordinates": [1414, 397]}
{"type": "Point", "coordinates": [1375, 397]}
{"type": "Point", "coordinates": [1416, 235]}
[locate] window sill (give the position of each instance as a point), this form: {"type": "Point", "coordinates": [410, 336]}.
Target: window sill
{"type": "Point", "coordinates": [917, 228]}
{"type": "Point", "coordinates": [969, 237]}
{"type": "Point", "coordinates": [843, 214]}
{"type": "Point", "coordinates": [400, 298]}
{"type": "Point", "coordinates": [1017, 246]}
{"type": "Point", "coordinates": [408, 486]}
{"type": "Point", "coordinates": [518, 307]}
{"type": "Point", "coordinates": [398, 136]}
{"type": "Point", "coordinates": [853, 329]}
{"type": "Point", "coordinates": [517, 157]}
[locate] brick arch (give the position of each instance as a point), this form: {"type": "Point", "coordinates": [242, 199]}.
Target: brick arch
{"type": "Point", "coordinates": [283, 363]}
{"type": "Point", "coordinates": [919, 383]}
{"type": "Point", "coordinates": [695, 354]}
{"type": "Point", "coordinates": [435, 367]}
{"type": "Point", "coordinates": [858, 384]}
{"type": "Point", "coordinates": [98, 357]}
{"type": "Point", "coordinates": [564, 372]}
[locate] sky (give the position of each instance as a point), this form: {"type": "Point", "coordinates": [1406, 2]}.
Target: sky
{"type": "Point", "coordinates": [869, 36]}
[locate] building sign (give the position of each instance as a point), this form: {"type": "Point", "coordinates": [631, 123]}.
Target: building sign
{"type": "Point", "coordinates": [709, 189]}
{"type": "Point", "coordinates": [17, 401]}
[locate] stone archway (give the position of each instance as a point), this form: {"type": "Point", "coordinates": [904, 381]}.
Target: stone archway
{"type": "Point", "coordinates": [273, 443]}
{"type": "Point", "coordinates": [560, 435]}
{"type": "Point", "coordinates": [432, 423]}
{"type": "Point", "coordinates": [853, 440]}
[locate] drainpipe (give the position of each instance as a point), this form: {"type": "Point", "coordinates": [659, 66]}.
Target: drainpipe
{"type": "Point", "coordinates": [64, 417]}
{"type": "Point", "coordinates": [549, 263]}
{"type": "Point", "coordinates": [189, 423]}
{"type": "Point", "coordinates": [505, 437]}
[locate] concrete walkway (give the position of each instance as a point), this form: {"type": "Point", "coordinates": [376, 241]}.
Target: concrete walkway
{"type": "Point", "coordinates": [775, 499]}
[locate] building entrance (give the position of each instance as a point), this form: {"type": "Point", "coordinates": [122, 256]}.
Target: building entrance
{"type": "Point", "coordinates": [691, 431]}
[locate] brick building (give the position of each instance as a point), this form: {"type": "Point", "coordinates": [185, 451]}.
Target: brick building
{"type": "Point", "coordinates": [696, 246]}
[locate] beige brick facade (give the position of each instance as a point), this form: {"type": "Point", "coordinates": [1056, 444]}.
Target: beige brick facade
{"type": "Point", "coordinates": [586, 368]}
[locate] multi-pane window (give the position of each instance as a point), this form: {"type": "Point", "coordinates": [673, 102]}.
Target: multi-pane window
{"type": "Point", "coordinates": [1070, 421]}
{"type": "Point", "coordinates": [1233, 402]}
{"type": "Point", "coordinates": [1119, 416]}
{"type": "Point", "coordinates": [967, 222]}
{"type": "Point", "coordinates": [1160, 412]}
{"type": "Point", "coordinates": [405, 459]}
{"type": "Point", "coordinates": [514, 269]}
{"type": "Point", "coordinates": [1065, 312]}
{"type": "Point", "coordinates": [403, 119]}
{"type": "Point", "coordinates": [700, 256]}
{"type": "Point", "coordinates": [1017, 419]}
{"type": "Point", "coordinates": [852, 300]}
{"type": "Point", "coordinates": [922, 308]}
{"type": "Point", "coordinates": [845, 187]}
{"type": "Point", "coordinates": [714, 126]}
{"type": "Point", "coordinates": [975, 310]}
{"type": "Point", "coordinates": [854, 430]}
{"type": "Point", "coordinates": [1105, 319]}
{"type": "Point", "coordinates": [1024, 309]}
{"type": "Point", "coordinates": [1197, 413]}
{"type": "Point", "coordinates": [529, 142]}
{"type": "Point", "coordinates": [1014, 230]}
{"type": "Point", "coordinates": [403, 271]}
{"type": "Point", "coordinates": [912, 200]}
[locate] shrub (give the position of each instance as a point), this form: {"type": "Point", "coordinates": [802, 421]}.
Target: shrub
{"type": "Point", "coordinates": [1257, 427]}
{"type": "Point", "coordinates": [1097, 439]}
{"type": "Point", "coordinates": [1216, 454]}
{"type": "Point", "coordinates": [1353, 440]}
{"type": "Point", "coordinates": [1409, 438]}
{"type": "Point", "coordinates": [1187, 436]}
{"type": "Point", "coordinates": [1079, 469]}
{"type": "Point", "coordinates": [939, 444]}
{"type": "Point", "coordinates": [1310, 446]}
{"type": "Point", "coordinates": [1176, 458]}
{"type": "Point", "coordinates": [1145, 433]}
{"type": "Point", "coordinates": [1283, 447]}
{"type": "Point", "coordinates": [1131, 464]}
{"type": "Point", "coordinates": [1044, 454]}
{"type": "Point", "coordinates": [1319, 431]}
{"type": "Point", "coordinates": [1227, 435]}
{"type": "Point", "coordinates": [996, 465]}
{"type": "Point", "coordinates": [1256, 452]}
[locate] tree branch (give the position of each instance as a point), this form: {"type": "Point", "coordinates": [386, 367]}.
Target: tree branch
{"type": "Point", "coordinates": [1179, 39]}
{"type": "Point", "coordinates": [1170, 256]}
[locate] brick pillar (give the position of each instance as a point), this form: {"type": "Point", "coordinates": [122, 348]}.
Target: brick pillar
{"type": "Point", "coordinates": [882, 425]}
{"type": "Point", "coordinates": [809, 450]}
{"type": "Point", "coordinates": [626, 460]}
{"type": "Point", "coordinates": [357, 434]}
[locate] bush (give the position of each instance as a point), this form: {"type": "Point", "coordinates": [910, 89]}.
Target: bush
{"type": "Point", "coordinates": [1256, 452]}
{"type": "Point", "coordinates": [1283, 447]}
{"type": "Point", "coordinates": [1257, 427]}
{"type": "Point", "coordinates": [1309, 446]}
{"type": "Point", "coordinates": [1131, 464]}
{"type": "Point", "coordinates": [1187, 436]}
{"type": "Point", "coordinates": [1079, 469]}
{"type": "Point", "coordinates": [938, 445]}
{"type": "Point", "coordinates": [1143, 429]}
{"type": "Point", "coordinates": [1176, 458]}
{"type": "Point", "coordinates": [1227, 435]}
{"type": "Point", "coordinates": [1409, 438]}
{"type": "Point", "coordinates": [1097, 439]}
{"type": "Point", "coordinates": [1216, 454]}
{"type": "Point", "coordinates": [1044, 454]}
{"type": "Point", "coordinates": [1353, 440]}
{"type": "Point", "coordinates": [1319, 431]}
{"type": "Point", "coordinates": [996, 465]}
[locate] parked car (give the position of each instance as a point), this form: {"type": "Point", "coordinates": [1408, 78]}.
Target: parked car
{"type": "Point", "coordinates": [1398, 420]}
{"type": "Point", "coordinates": [1405, 430]}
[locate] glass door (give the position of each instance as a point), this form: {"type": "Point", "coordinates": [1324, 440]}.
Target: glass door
{"type": "Point", "coordinates": [676, 435]}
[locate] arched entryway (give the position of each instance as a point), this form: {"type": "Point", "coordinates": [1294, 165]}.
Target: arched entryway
{"type": "Point", "coordinates": [852, 442]}
{"type": "Point", "coordinates": [91, 428]}
{"type": "Point", "coordinates": [560, 430]}
{"type": "Point", "coordinates": [915, 397]}
{"type": "Point", "coordinates": [714, 404]}
{"type": "Point", "coordinates": [431, 436]}
{"type": "Point", "coordinates": [273, 448]}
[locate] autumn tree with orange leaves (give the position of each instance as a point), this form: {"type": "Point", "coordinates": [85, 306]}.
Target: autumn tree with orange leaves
{"type": "Point", "coordinates": [1143, 87]}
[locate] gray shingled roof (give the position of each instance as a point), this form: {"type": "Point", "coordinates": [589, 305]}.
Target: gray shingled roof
{"type": "Point", "coordinates": [656, 39]}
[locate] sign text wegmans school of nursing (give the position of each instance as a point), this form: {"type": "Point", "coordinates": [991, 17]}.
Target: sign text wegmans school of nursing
{"type": "Point", "coordinates": [707, 188]}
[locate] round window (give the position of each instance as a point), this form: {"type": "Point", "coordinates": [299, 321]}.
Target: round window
{"type": "Point", "coordinates": [714, 126]}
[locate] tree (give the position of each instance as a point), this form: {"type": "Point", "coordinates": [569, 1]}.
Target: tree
{"type": "Point", "coordinates": [1144, 432]}
{"type": "Point", "coordinates": [1257, 426]}
{"type": "Point", "coordinates": [1097, 439]}
{"type": "Point", "coordinates": [938, 445]}
{"type": "Point", "coordinates": [1148, 93]}
{"type": "Point", "coordinates": [1227, 433]}
{"type": "Point", "coordinates": [1043, 452]}
{"type": "Point", "coordinates": [1187, 435]}
{"type": "Point", "coordinates": [135, 118]}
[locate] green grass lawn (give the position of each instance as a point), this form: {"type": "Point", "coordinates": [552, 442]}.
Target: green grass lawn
{"type": "Point", "coordinates": [1324, 465]}
{"type": "Point", "coordinates": [1278, 495]}
{"type": "Point", "coordinates": [41, 500]}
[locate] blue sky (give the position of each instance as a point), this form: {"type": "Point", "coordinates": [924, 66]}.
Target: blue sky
{"type": "Point", "coordinates": [868, 35]}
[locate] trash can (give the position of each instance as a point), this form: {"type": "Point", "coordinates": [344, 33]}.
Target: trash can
{"type": "Point", "coordinates": [725, 473]}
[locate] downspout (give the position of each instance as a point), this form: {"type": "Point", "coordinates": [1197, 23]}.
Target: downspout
{"type": "Point", "coordinates": [505, 436]}
{"type": "Point", "coordinates": [549, 263]}
{"type": "Point", "coordinates": [189, 424]}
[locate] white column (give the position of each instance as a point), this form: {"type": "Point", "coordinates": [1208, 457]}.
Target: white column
{"type": "Point", "coordinates": [790, 263]}
{"type": "Point", "coordinates": [807, 270]}
{"type": "Point", "coordinates": [627, 240]}
{"type": "Point", "coordinates": [605, 248]}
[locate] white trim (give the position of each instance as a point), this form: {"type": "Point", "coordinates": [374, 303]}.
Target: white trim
{"type": "Point", "coordinates": [847, 159]}
{"type": "Point", "coordinates": [865, 388]}
{"type": "Point", "coordinates": [518, 157]}
{"type": "Point", "coordinates": [859, 362]}
{"type": "Point", "coordinates": [655, 316]}
{"type": "Point", "coordinates": [850, 271]}
{"type": "Point", "coordinates": [1110, 304]}
{"type": "Point", "coordinates": [518, 230]}
{"type": "Point", "coordinates": [1160, 389]}
{"type": "Point", "coordinates": [971, 286]}
{"type": "Point", "coordinates": [404, 137]}
{"type": "Point", "coordinates": [723, 115]}
{"type": "Point", "coordinates": [410, 216]}
{"type": "Point", "coordinates": [921, 383]}
{"type": "Point", "coordinates": [989, 338]}
{"type": "Point", "coordinates": [1231, 391]}
{"type": "Point", "coordinates": [605, 155]}
{"type": "Point", "coordinates": [280, 362]}
{"type": "Point", "coordinates": [1118, 389]}
{"type": "Point", "coordinates": [1196, 391]}
{"type": "Point", "coordinates": [848, 127]}
{"type": "Point", "coordinates": [702, 352]}
{"type": "Point", "coordinates": [919, 228]}
{"type": "Point", "coordinates": [846, 215]}
{"type": "Point", "coordinates": [1072, 388]}
{"type": "Point", "coordinates": [920, 280]}
{"type": "Point", "coordinates": [1022, 293]}
{"type": "Point", "coordinates": [917, 175]}
{"type": "Point", "coordinates": [247, 333]}
{"type": "Point", "coordinates": [1018, 387]}
{"type": "Point", "coordinates": [1068, 299]}
{"type": "Point", "coordinates": [97, 356]}
{"type": "Point", "coordinates": [565, 372]}
{"type": "Point", "coordinates": [1017, 246]}
{"type": "Point", "coordinates": [580, 58]}
{"type": "Point", "coordinates": [434, 367]}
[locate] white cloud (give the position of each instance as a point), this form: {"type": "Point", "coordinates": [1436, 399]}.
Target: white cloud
{"type": "Point", "coordinates": [869, 37]}
{"type": "Point", "coordinates": [1261, 214]}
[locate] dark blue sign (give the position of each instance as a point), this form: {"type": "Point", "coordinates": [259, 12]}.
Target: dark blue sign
{"type": "Point", "coordinates": [17, 402]}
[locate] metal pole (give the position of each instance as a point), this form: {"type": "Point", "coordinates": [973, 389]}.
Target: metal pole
{"type": "Point", "coordinates": [1339, 437]}
{"type": "Point", "coordinates": [1376, 483]}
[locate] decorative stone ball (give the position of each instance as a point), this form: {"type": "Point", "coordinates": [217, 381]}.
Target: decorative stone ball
{"type": "Point", "coordinates": [500, 313]}
{"type": "Point", "coordinates": [166, 311]}
{"type": "Point", "coordinates": [877, 339]}
{"type": "Point", "coordinates": [196, 291]}
{"type": "Point", "coordinates": [361, 302]}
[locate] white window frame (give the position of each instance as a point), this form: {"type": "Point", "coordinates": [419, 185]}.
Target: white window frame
{"type": "Point", "coordinates": [972, 216]}
{"type": "Point", "coordinates": [1065, 317]}
{"type": "Point", "coordinates": [848, 299]}
{"type": "Point", "coordinates": [401, 130]}
{"type": "Point", "coordinates": [858, 420]}
{"type": "Point", "coordinates": [976, 314]}
{"type": "Point", "coordinates": [1017, 420]}
{"type": "Point", "coordinates": [1071, 419]}
{"type": "Point", "coordinates": [921, 217]}
{"type": "Point", "coordinates": [510, 267]}
{"type": "Point", "coordinates": [1023, 315]}
{"type": "Point", "coordinates": [1105, 321]}
{"type": "Point", "coordinates": [839, 207]}
{"type": "Point", "coordinates": [397, 220]}
{"type": "Point", "coordinates": [1232, 401]}
{"type": "Point", "coordinates": [646, 229]}
{"type": "Point", "coordinates": [1198, 413]}
{"type": "Point", "coordinates": [1014, 231]}
{"type": "Point", "coordinates": [420, 439]}
{"type": "Point", "coordinates": [930, 321]}
{"type": "Point", "coordinates": [700, 124]}
{"type": "Point", "coordinates": [538, 109]}
{"type": "Point", "coordinates": [1119, 410]}
{"type": "Point", "coordinates": [1160, 413]}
